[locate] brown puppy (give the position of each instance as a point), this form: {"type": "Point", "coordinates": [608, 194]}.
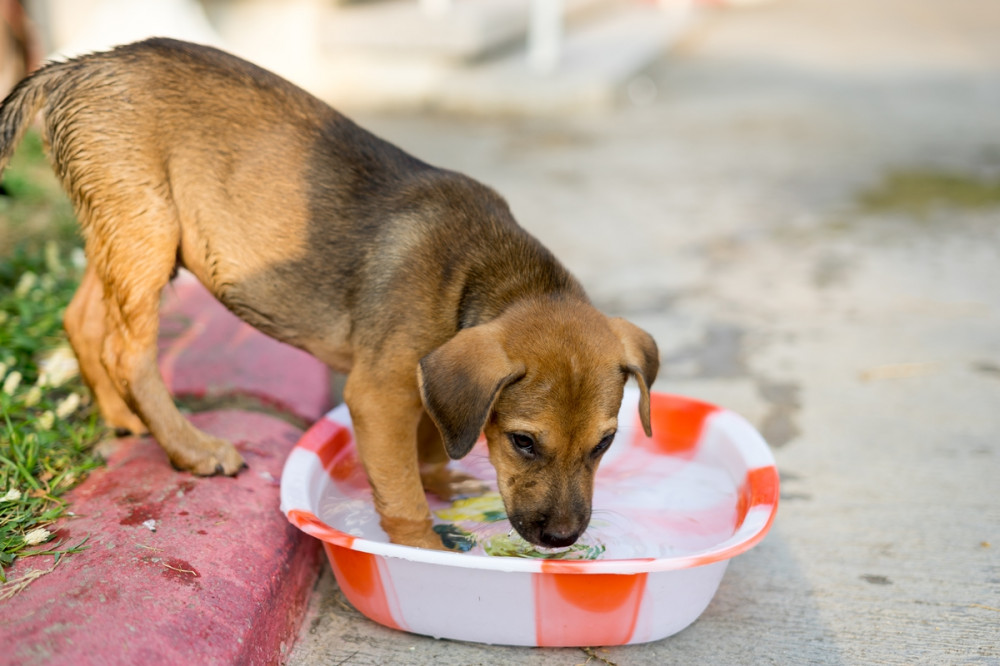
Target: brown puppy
{"type": "Point", "coordinates": [415, 281]}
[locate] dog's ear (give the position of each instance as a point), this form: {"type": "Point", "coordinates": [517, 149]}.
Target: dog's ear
{"type": "Point", "coordinates": [460, 381]}
{"type": "Point", "coordinates": [642, 361]}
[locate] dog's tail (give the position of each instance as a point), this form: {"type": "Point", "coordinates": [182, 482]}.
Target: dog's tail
{"type": "Point", "coordinates": [21, 105]}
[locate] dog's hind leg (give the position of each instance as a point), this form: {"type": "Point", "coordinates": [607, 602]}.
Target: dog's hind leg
{"type": "Point", "coordinates": [86, 326]}
{"type": "Point", "coordinates": [134, 260]}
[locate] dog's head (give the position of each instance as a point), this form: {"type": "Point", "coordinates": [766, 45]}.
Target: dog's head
{"type": "Point", "coordinates": [544, 381]}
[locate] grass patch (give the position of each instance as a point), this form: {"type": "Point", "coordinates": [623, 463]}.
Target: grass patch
{"type": "Point", "coordinates": [918, 192]}
{"type": "Point", "coordinates": [47, 427]}
{"type": "Point", "coordinates": [33, 207]}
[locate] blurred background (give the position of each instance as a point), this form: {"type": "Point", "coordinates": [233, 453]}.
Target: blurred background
{"type": "Point", "coordinates": [799, 199]}
{"type": "Point", "coordinates": [458, 55]}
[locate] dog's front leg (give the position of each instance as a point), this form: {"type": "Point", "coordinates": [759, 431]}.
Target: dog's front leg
{"type": "Point", "coordinates": [385, 409]}
{"type": "Point", "coordinates": [435, 474]}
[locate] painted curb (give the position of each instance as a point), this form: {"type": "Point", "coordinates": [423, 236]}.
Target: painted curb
{"type": "Point", "coordinates": [177, 568]}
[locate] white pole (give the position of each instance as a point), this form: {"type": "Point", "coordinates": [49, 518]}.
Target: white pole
{"type": "Point", "coordinates": [544, 35]}
{"type": "Point", "coordinates": [435, 7]}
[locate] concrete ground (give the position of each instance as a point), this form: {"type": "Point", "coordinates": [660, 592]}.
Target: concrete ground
{"type": "Point", "coordinates": [761, 207]}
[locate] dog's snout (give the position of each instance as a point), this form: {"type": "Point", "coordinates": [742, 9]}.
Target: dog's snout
{"type": "Point", "coordinates": [560, 529]}
{"type": "Point", "coordinates": [549, 531]}
{"type": "Point", "coordinates": [558, 538]}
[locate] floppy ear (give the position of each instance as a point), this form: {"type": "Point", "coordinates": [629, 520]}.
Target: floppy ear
{"type": "Point", "coordinates": [642, 361]}
{"type": "Point", "coordinates": [460, 381]}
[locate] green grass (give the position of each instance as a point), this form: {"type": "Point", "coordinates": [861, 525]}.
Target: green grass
{"type": "Point", "coordinates": [35, 208]}
{"type": "Point", "coordinates": [918, 191]}
{"type": "Point", "coordinates": [47, 426]}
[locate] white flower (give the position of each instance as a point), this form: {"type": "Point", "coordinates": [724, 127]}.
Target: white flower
{"type": "Point", "coordinates": [52, 261]}
{"type": "Point", "coordinates": [78, 258]}
{"type": "Point", "coordinates": [25, 284]}
{"type": "Point", "coordinates": [12, 382]}
{"type": "Point", "coordinates": [46, 420]}
{"type": "Point", "coordinates": [57, 366]}
{"type": "Point", "coordinates": [33, 396]}
{"type": "Point", "coordinates": [12, 495]}
{"type": "Point", "coordinates": [68, 405]}
{"type": "Point", "coordinates": [37, 536]}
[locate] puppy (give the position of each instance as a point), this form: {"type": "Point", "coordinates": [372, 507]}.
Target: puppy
{"type": "Point", "coordinates": [449, 319]}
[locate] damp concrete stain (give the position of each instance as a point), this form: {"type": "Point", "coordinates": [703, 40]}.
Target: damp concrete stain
{"type": "Point", "coordinates": [780, 393]}
{"type": "Point", "coordinates": [918, 191]}
{"type": "Point", "coordinates": [719, 355]}
{"type": "Point", "coordinates": [639, 302]}
{"type": "Point", "coordinates": [876, 580]}
{"type": "Point", "coordinates": [831, 270]}
{"type": "Point", "coordinates": [778, 426]}
{"type": "Point", "coordinates": [987, 368]}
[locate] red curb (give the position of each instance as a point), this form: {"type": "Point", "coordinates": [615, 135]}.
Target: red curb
{"type": "Point", "coordinates": [223, 579]}
{"type": "Point", "coordinates": [206, 351]}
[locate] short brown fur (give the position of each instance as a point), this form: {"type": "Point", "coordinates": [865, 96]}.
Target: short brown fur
{"type": "Point", "coordinates": [448, 317]}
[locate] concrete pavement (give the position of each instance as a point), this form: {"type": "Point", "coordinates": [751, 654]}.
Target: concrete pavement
{"type": "Point", "coordinates": [759, 218]}
{"type": "Point", "coordinates": [765, 214]}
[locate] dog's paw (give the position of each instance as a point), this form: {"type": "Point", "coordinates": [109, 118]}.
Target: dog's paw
{"type": "Point", "coordinates": [449, 484]}
{"type": "Point", "coordinates": [125, 423]}
{"type": "Point", "coordinates": [430, 541]}
{"type": "Point", "coordinates": [217, 456]}
{"type": "Point", "coordinates": [408, 532]}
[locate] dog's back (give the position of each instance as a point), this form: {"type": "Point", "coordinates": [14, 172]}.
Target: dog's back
{"type": "Point", "coordinates": [209, 134]}
{"type": "Point", "coordinates": [290, 213]}
{"type": "Point", "coordinates": [415, 280]}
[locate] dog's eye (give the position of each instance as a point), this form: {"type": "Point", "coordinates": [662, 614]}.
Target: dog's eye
{"type": "Point", "coordinates": [524, 443]}
{"type": "Point", "coordinates": [603, 445]}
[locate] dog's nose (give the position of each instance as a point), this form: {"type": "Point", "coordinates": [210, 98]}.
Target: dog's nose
{"type": "Point", "coordinates": [558, 538]}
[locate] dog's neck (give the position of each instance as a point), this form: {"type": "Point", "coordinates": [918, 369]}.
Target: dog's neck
{"type": "Point", "coordinates": [524, 270]}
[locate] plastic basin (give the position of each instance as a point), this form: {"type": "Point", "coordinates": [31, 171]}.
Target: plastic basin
{"type": "Point", "coordinates": [669, 512]}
